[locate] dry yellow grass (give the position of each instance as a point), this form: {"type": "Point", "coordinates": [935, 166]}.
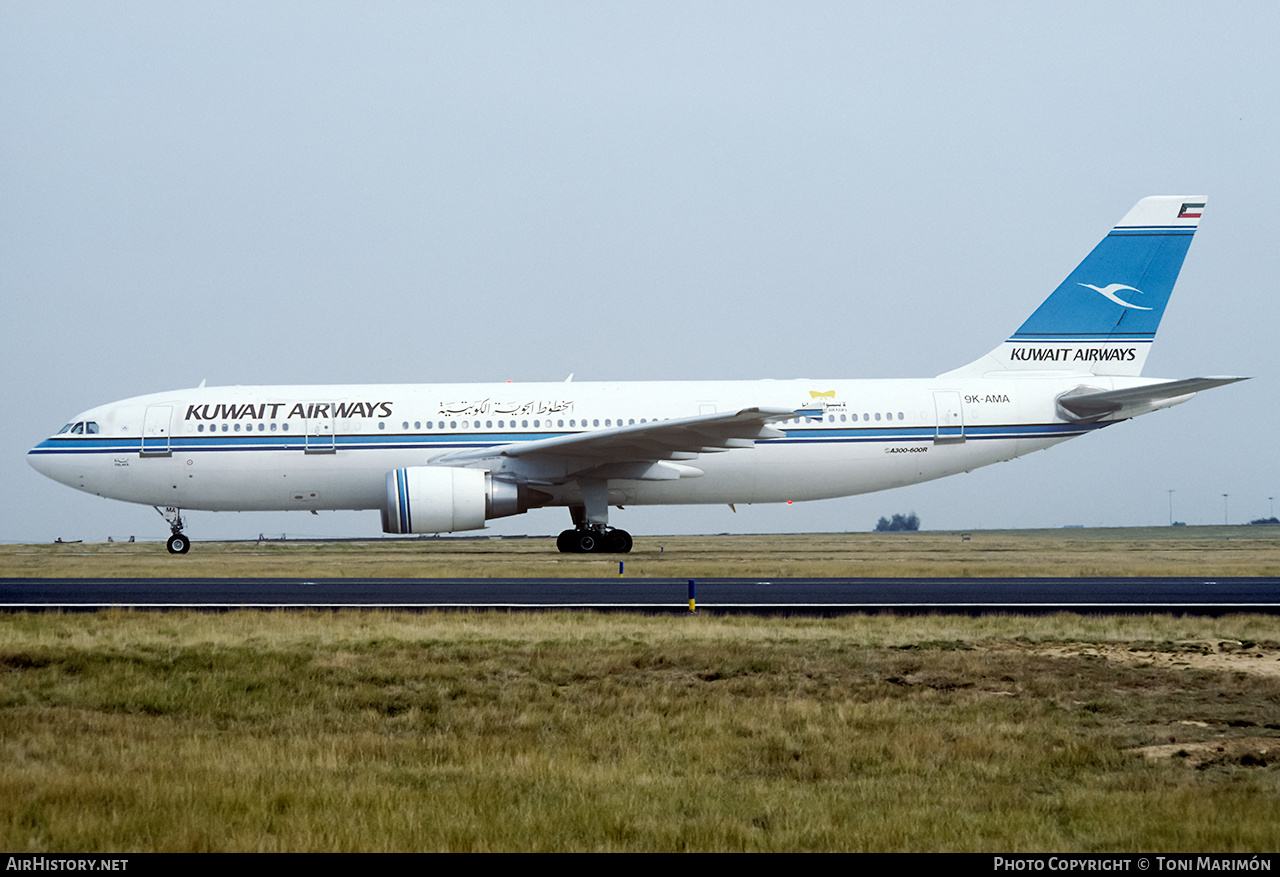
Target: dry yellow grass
{"type": "Point", "coordinates": [493, 731]}
{"type": "Point", "coordinates": [1170, 551]}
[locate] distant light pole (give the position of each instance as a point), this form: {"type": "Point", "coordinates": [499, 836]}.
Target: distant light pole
{"type": "Point", "coordinates": [1170, 508]}
{"type": "Point", "coordinates": [1272, 500]}
{"type": "Point", "coordinates": [1224, 507]}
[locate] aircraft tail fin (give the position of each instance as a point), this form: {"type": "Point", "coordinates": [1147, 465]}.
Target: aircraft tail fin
{"type": "Point", "coordinates": [1103, 317]}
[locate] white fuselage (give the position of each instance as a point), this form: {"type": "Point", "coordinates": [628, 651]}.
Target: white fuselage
{"type": "Point", "coordinates": [331, 447]}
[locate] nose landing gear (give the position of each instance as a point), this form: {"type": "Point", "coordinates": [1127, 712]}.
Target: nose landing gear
{"type": "Point", "coordinates": [177, 543]}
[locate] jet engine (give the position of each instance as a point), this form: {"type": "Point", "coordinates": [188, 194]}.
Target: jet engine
{"type": "Point", "coordinates": [442, 499]}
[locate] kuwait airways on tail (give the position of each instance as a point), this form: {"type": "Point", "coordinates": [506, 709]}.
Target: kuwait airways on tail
{"type": "Point", "coordinates": [445, 457]}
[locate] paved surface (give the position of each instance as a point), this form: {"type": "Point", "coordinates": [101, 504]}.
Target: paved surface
{"type": "Point", "coordinates": [817, 596]}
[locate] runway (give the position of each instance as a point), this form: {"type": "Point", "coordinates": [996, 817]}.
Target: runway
{"type": "Point", "coordinates": [816, 596]}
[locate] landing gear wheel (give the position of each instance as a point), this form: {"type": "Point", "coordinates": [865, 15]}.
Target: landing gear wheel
{"type": "Point", "coordinates": [178, 544]}
{"type": "Point", "coordinates": [594, 542]}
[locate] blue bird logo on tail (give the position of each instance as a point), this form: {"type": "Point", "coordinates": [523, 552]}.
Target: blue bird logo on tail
{"type": "Point", "coordinates": [1110, 290]}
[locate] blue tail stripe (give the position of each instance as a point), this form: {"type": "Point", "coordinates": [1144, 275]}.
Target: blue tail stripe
{"type": "Point", "coordinates": [1119, 291]}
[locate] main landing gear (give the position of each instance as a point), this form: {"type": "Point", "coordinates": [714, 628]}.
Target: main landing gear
{"type": "Point", "coordinates": [177, 543]}
{"type": "Point", "coordinates": [589, 541]}
{"type": "Point", "coordinates": [591, 533]}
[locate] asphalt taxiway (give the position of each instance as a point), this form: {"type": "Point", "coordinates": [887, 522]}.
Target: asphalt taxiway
{"type": "Point", "coordinates": [1189, 595]}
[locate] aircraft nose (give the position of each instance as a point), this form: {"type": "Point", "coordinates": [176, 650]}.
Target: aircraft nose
{"type": "Point", "coordinates": [44, 462]}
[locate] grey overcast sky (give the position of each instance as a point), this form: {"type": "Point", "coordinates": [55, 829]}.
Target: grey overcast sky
{"type": "Point", "coordinates": [255, 193]}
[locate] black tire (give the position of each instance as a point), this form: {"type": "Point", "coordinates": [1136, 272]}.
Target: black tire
{"type": "Point", "coordinates": [587, 541]}
{"type": "Point", "coordinates": [619, 542]}
{"type": "Point", "coordinates": [178, 544]}
{"type": "Point", "coordinates": [567, 542]}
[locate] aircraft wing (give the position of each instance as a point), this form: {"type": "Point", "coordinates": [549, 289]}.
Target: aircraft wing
{"type": "Point", "coordinates": [1085, 404]}
{"type": "Point", "coordinates": [646, 451]}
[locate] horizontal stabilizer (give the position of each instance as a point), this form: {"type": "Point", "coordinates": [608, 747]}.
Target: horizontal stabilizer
{"type": "Point", "coordinates": [1085, 403]}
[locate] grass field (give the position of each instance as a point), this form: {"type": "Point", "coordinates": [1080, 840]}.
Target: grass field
{"type": "Point", "coordinates": [491, 731]}
{"type": "Point", "coordinates": [244, 731]}
{"type": "Point", "coordinates": [1217, 551]}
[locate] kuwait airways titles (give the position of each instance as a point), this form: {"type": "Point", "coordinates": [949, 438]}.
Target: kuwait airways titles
{"type": "Point", "coordinates": [271, 410]}
{"type": "Point", "coordinates": [1081, 354]}
{"type": "Point", "coordinates": [374, 410]}
{"type": "Point", "coordinates": [441, 458]}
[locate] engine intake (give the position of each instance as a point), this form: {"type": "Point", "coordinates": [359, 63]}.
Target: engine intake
{"type": "Point", "coordinates": [443, 499]}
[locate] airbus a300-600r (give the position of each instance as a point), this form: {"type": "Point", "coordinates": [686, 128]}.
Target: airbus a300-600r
{"type": "Point", "coordinates": [437, 458]}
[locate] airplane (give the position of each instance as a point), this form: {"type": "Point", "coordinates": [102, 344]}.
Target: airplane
{"type": "Point", "coordinates": [436, 458]}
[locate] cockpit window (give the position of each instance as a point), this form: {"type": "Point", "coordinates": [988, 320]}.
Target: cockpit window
{"type": "Point", "coordinates": [83, 427]}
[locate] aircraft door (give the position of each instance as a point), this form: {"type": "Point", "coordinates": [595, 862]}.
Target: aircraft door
{"type": "Point", "coordinates": [950, 413]}
{"type": "Point", "coordinates": [155, 431]}
{"type": "Point", "coordinates": [321, 436]}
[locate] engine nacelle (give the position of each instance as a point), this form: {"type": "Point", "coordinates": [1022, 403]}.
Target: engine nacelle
{"type": "Point", "coordinates": [442, 499]}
